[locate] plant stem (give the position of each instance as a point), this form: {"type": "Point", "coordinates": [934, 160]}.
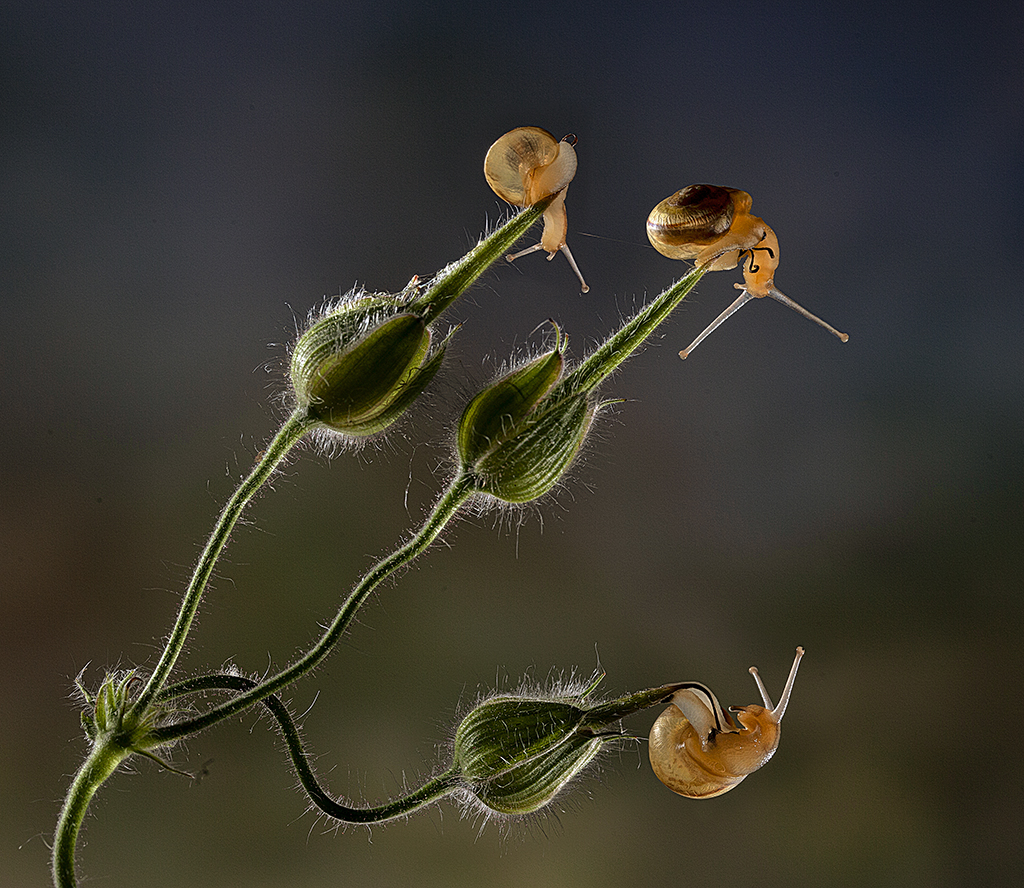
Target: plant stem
{"type": "Point", "coordinates": [293, 429]}
{"type": "Point", "coordinates": [460, 490]}
{"type": "Point", "coordinates": [435, 788]}
{"type": "Point", "coordinates": [102, 761]}
{"type": "Point", "coordinates": [622, 707]}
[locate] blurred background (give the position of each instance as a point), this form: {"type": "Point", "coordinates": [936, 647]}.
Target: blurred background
{"type": "Point", "coordinates": [182, 183]}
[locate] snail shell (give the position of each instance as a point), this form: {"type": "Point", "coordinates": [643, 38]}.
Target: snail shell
{"type": "Point", "coordinates": [697, 750]}
{"type": "Point", "coordinates": [705, 222]}
{"type": "Point", "coordinates": [528, 164]}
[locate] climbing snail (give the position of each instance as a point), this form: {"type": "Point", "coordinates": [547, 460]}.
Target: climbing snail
{"type": "Point", "coordinates": [527, 165]}
{"type": "Point", "coordinates": [714, 227]}
{"type": "Point", "coordinates": [698, 751]}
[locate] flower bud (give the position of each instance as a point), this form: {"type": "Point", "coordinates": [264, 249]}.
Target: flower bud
{"type": "Point", "coordinates": [515, 441]}
{"type": "Point", "coordinates": [526, 466]}
{"type": "Point", "coordinates": [516, 754]}
{"type": "Point", "coordinates": [358, 369]}
{"type": "Point", "coordinates": [110, 717]}
{"type": "Point", "coordinates": [496, 414]}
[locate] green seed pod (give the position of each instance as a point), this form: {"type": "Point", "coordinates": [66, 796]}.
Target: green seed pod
{"type": "Point", "coordinates": [356, 372]}
{"type": "Point", "coordinates": [516, 754]}
{"type": "Point", "coordinates": [515, 438]}
{"type": "Point", "coordinates": [497, 413]}
{"type": "Point", "coordinates": [529, 461]}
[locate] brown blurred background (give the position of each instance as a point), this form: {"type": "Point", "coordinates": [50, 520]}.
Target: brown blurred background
{"type": "Point", "coordinates": [183, 182]}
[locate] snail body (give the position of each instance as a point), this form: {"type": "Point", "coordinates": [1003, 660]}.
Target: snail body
{"type": "Point", "coordinates": [713, 226]}
{"type": "Point", "coordinates": [699, 751]}
{"type": "Point", "coordinates": [528, 165]}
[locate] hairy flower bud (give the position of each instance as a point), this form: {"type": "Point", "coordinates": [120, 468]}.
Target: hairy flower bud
{"type": "Point", "coordinates": [358, 369]}
{"type": "Point", "coordinates": [515, 440]}
{"type": "Point", "coordinates": [516, 754]}
{"type": "Point", "coordinates": [527, 465]}
{"type": "Point", "coordinates": [496, 414]}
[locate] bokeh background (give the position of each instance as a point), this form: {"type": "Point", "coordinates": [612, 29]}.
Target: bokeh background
{"type": "Point", "coordinates": [182, 182]}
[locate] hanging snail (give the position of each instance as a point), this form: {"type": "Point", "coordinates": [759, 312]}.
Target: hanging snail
{"type": "Point", "coordinates": [713, 226]}
{"type": "Point", "coordinates": [698, 750]}
{"type": "Point", "coordinates": [527, 165]}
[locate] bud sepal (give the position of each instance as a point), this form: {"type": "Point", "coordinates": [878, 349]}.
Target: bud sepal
{"type": "Point", "coordinates": [498, 412]}
{"type": "Point", "coordinates": [515, 438]}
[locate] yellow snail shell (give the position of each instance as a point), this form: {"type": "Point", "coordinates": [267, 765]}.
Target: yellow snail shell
{"type": "Point", "coordinates": [527, 165]}
{"type": "Point", "coordinates": [706, 223]}
{"type": "Point", "coordinates": [697, 750]}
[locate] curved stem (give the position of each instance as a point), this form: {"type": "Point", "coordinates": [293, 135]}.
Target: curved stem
{"type": "Point", "coordinates": [460, 490]}
{"type": "Point", "coordinates": [293, 429]}
{"type": "Point", "coordinates": [102, 761]}
{"type": "Point", "coordinates": [434, 789]}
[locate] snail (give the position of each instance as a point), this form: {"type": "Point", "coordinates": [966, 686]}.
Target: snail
{"type": "Point", "coordinates": [527, 165]}
{"type": "Point", "coordinates": [714, 227]}
{"type": "Point", "coordinates": [697, 749]}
